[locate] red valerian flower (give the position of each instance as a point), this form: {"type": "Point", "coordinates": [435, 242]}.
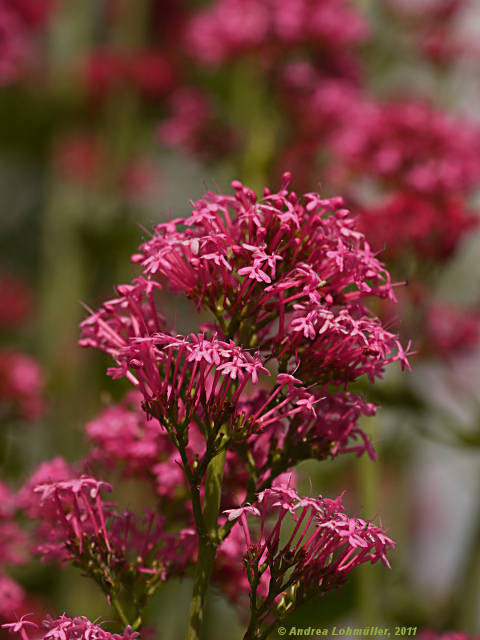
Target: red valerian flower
{"type": "Point", "coordinates": [286, 279]}
{"type": "Point", "coordinates": [322, 546]}
{"type": "Point", "coordinates": [65, 628]}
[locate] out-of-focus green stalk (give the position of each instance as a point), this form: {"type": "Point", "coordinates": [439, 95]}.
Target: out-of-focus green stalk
{"type": "Point", "coordinates": [369, 478]}
{"type": "Point", "coordinates": [63, 279]}
{"type": "Point", "coordinates": [253, 114]}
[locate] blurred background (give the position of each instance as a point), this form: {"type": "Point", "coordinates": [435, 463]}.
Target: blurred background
{"type": "Point", "coordinates": [114, 114]}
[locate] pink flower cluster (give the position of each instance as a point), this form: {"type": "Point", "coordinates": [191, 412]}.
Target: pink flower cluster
{"type": "Point", "coordinates": [76, 526]}
{"type": "Point", "coordinates": [229, 28]}
{"type": "Point", "coordinates": [21, 23]}
{"type": "Point", "coordinates": [65, 628]}
{"type": "Point", "coordinates": [286, 275]}
{"type": "Point", "coordinates": [414, 147]}
{"type": "Point", "coordinates": [321, 547]}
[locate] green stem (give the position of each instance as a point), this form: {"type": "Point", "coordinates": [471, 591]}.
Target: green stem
{"type": "Point", "coordinates": [119, 611]}
{"type": "Point", "coordinates": [369, 482]}
{"type": "Point", "coordinates": [207, 546]}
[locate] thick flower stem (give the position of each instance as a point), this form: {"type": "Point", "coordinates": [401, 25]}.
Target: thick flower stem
{"type": "Point", "coordinates": [119, 611]}
{"type": "Point", "coordinates": [207, 548]}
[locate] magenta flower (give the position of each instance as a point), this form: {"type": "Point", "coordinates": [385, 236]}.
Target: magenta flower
{"type": "Point", "coordinates": [76, 526]}
{"type": "Point", "coordinates": [286, 279]}
{"type": "Point", "coordinates": [65, 628]}
{"type": "Point", "coordinates": [322, 547]}
{"type": "Point", "coordinates": [291, 289]}
{"type": "Point", "coordinates": [80, 514]}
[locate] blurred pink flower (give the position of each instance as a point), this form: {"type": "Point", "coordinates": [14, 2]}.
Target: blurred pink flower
{"type": "Point", "coordinates": [12, 597]}
{"type": "Point", "coordinates": [452, 330]}
{"type": "Point", "coordinates": [21, 22]}
{"type": "Point", "coordinates": [21, 385]}
{"type": "Point", "coordinates": [227, 29]}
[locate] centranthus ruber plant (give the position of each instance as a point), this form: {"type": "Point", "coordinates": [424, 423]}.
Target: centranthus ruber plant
{"type": "Point", "coordinates": [323, 548]}
{"type": "Point", "coordinates": [219, 418]}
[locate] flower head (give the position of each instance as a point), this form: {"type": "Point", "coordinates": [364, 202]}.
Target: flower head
{"type": "Point", "coordinates": [322, 547]}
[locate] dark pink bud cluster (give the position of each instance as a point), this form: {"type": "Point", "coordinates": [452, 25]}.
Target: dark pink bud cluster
{"type": "Point", "coordinates": [325, 429]}
{"type": "Point", "coordinates": [321, 547]}
{"type": "Point", "coordinates": [230, 28]}
{"type": "Point", "coordinates": [21, 386]}
{"type": "Point", "coordinates": [65, 628]}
